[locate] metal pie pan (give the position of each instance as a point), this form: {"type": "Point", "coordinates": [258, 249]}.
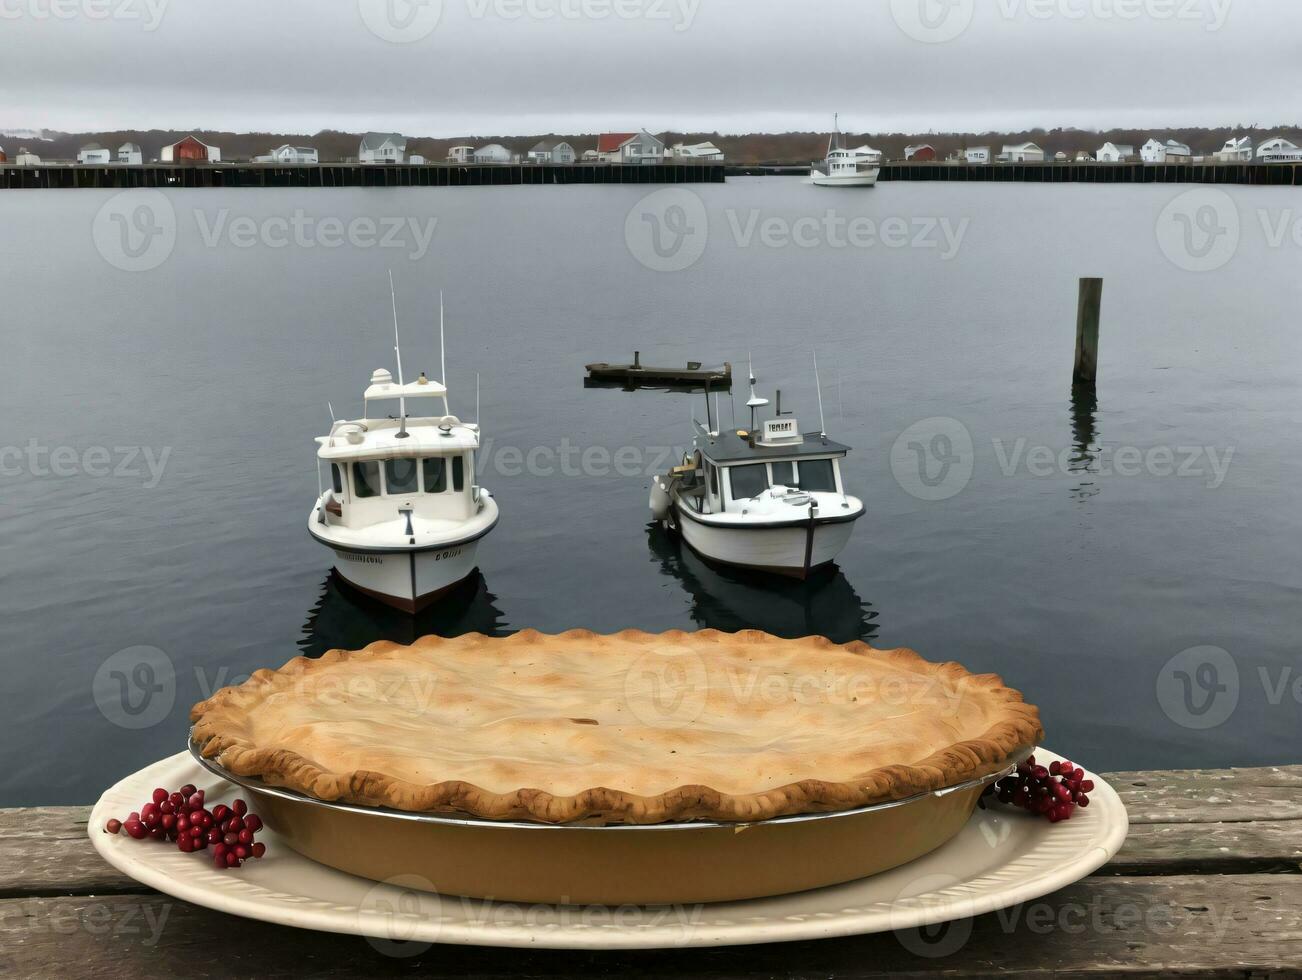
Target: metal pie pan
{"type": "Point", "coordinates": [613, 865]}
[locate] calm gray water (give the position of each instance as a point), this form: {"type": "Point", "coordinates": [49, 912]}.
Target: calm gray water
{"type": "Point", "coordinates": [1094, 592]}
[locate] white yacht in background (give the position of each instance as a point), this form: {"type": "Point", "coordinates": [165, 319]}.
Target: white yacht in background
{"type": "Point", "coordinates": [769, 500]}
{"type": "Point", "coordinates": [844, 166]}
{"type": "Point", "coordinates": [403, 513]}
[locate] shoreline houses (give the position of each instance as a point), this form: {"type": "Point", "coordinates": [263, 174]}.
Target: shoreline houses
{"type": "Point", "coordinates": [382, 148]}
{"type": "Point", "coordinates": [92, 154]}
{"type": "Point", "coordinates": [1155, 151]}
{"type": "Point", "coordinates": [695, 151]}
{"type": "Point", "coordinates": [290, 156]}
{"type": "Point", "coordinates": [190, 150]}
{"type": "Point", "coordinates": [634, 148]}
{"type": "Point", "coordinates": [130, 155]}
{"type": "Point", "coordinates": [548, 152]}
{"type": "Point", "coordinates": [1279, 150]}
{"type": "Point", "coordinates": [1022, 153]}
{"type": "Point", "coordinates": [1236, 150]}
{"type": "Point", "coordinates": [920, 153]}
{"type": "Point", "coordinates": [1115, 153]}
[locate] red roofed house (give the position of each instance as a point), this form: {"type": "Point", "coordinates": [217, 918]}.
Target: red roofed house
{"type": "Point", "coordinates": [3, 157]}
{"type": "Point", "coordinates": [191, 150]}
{"type": "Point", "coordinates": [630, 148]}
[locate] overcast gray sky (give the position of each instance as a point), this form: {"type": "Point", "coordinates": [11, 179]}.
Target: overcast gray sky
{"type": "Point", "coordinates": [454, 67]}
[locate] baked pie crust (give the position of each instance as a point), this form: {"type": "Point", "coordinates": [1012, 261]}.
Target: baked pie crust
{"type": "Point", "coordinates": [633, 728]}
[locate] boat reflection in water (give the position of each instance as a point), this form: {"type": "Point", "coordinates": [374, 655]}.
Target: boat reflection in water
{"type": "Point", "coordinates": [344, 619]}
{"type": "Point", "coordinates": [730, 599]}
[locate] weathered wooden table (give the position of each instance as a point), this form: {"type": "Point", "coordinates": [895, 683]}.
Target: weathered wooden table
{"type": "Point", "coordinates": [1208, 885]}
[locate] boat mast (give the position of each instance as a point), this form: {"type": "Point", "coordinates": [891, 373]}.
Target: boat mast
{"type": "Point", "coordinates": [755, 401]}
{"type": "Point", "coordinates": [443, 361]}
{"type": "Point", "coordinates": [397, 350]}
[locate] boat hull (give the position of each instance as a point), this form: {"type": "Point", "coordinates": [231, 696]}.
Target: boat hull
{"type": "Point", "coordinates": [792, 550]}
{"type": "Point", "coordinates": [407, 580]}
{"type": "Point", "coordinates": [866, 179]}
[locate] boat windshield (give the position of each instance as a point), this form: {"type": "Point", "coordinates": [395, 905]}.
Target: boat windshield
{"type": "Point", "coordinates": [748, 481]}
{"type": "Point", "coordinates": [817, 476]}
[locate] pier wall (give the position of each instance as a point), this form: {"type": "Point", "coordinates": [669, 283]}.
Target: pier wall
{"type": "Point", "coordinates": [351, 175]}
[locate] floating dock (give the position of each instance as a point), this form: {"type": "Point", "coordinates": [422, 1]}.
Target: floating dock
{"type": "Point", "coordinates": [164, 176]}
{"type": "Point", "coordinates": [692, 376]}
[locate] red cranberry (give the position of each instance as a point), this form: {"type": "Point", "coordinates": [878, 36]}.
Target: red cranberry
{"type": "Point", "coordinates": [166, 807]}
{"type": "Point", "coordinates": [230, 840]}
{"type": "Point", "coordinates": [113, 826]}
{"type": "Point", "coordinates": [136, 830]}
{"type": "Point", "coordinates": [213, 836]}
{"type": "Point", "coordinates": [195, 800]}
{"type": "Point", "coordinates": [221, 812]}
{"type": "Point", "coordinates": [188, 790]}
{"type": "Point", "coordinates": [160, 795]}
{"type": "Point", "coordinates": [253, 822]}
{"type": "Point", "coordinates": [167, 821]}
{"type": "Point", "coordinates": [240, 807]}
{"type": "Point", "coordinates": [246, 836]}
{"type": "Point", "coordinates": [232, 859]}
{"type": "Point", "coordinates": [259, 849]}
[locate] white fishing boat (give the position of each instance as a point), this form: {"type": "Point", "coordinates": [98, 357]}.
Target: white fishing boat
{"type": "Point", "coordinates": [846, 166]}
{"type": "Point", "coordinates": [770, 499]}
{"type": "Point", "coordinates": [402, 512]}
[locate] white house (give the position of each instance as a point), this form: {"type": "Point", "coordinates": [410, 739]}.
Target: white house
{"type": "Point", "coordinates": [977, 154]}
{"type": "Point", "coordinates": [1236, 150]}
{"type": "Point", "coordinates": [1279, 150]}
{"type": "Point", "coordinates": [290, 156]}
{"type": "Point", "coordinates": [416, 160]}
{"type": "Point", "coordinates": [1022, 153]}
{"type": "Point", "coordinates": [461, 154]}
{"type": "Point", "coordinates": [94, 154]}
{"type": "Point", "coordinates": [630, 148]}
{"type": "Point", "coordinates": [492, 153]}
{"type": "Point", "coordinates": [26, 158]}
{"type": "Point", "coordinates": [1116, 153]}
{"type": "Point", "coordinates": [1155, 151]}
{"type": "Point", "coordinates": [382, 148]}
{"type": "Point", "coordinates": [696, 151]}
{"type": "Point", "coordinates": [1084, 156]}
{"type": "Point", "coordinates": [129, 154]}
{"type": "Point", "coordinates": [548, 152]}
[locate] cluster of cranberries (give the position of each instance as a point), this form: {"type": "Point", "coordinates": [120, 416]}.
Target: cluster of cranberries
{"type": "Point", "coordinates": [1054, 793]}
{"type": "Point", "coordinates": [180, 818]}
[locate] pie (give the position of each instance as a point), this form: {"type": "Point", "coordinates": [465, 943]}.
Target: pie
{"type": "Point", "coordinates": [633, 728]}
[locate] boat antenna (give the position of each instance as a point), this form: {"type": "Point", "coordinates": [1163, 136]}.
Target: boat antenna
{"type": "Point", "coordinates": [332, 412]}
{"type": "Point", "coordinates": [477, 400]}
{"type": "Point", "coordinates": [397, 350]}
{"type": "Point", "coordinates": [822, 423]}
{"type": "Point", "coordinates": [718, 418]}
{"type": "Point", "coordinates": [755, 400]}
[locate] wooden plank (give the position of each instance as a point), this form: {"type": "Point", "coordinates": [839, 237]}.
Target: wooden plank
{"type": "Point", "coordinates": [1219, 822]}
{"type": "Point", "coordinates": [1247, 926]}
{"type": "Point", "coordinates": [45, 851]}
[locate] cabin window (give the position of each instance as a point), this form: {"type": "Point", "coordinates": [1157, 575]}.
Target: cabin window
{"type": "Point", "coordinates": [337, 478]}
{"type": "Point", "coordinates": [784, 474]}
{"type": "Point", "coordinates": [436, 474]}
{"type": "Point", "coordinates": [817, 476]}
{"type": "Point", "coordinates": [400, 476]}
{"type": "Point", "coordinates": [748, 481]}
{"type": "Point", "coordinates": [458, 473]}
{"type": "Point", "coordinates": [366, 479]}
{"type": "Point", "coordinates": [713, 472]}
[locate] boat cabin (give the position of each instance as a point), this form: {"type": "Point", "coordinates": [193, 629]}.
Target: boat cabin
{"type": "Point", "coordinates": [730, 469]}
{"type": "Point", "coordinates": [382, 468]}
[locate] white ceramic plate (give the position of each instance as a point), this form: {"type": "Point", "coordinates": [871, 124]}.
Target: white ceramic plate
{"type": "Point", "coordinates": [1000, 859]}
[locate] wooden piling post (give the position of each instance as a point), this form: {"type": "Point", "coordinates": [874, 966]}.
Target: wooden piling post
{"type": "Point", "coordinates": [1089, 307]}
